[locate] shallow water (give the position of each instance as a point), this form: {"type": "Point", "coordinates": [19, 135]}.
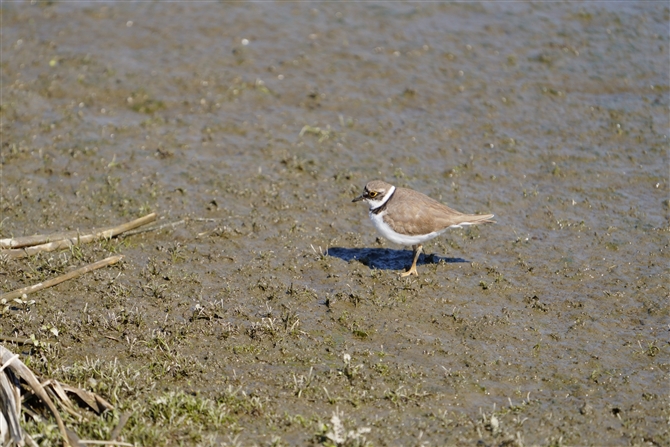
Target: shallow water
{"type": "Point", "coordinates": [554, 117]}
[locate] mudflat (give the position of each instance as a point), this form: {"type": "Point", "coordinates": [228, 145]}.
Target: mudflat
{"type": "Point", "coordinates": [271, 313]}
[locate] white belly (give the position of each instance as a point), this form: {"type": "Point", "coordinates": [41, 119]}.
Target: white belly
{"type": "Point", "coordinates": [402, 239]}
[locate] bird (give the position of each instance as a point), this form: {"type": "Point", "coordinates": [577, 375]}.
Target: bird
{"type": "Point", "coordinates": [408, 217]}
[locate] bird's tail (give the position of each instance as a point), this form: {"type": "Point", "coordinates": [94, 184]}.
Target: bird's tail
{"type": "Point", "coordinates": [474, 219]}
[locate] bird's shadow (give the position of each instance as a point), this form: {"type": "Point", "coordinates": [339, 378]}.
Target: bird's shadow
{"type": "Point", "coordinates": [386, 258]}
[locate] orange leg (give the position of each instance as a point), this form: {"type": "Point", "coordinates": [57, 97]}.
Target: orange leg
{"type": "Point", "coordinates": [412, 270]}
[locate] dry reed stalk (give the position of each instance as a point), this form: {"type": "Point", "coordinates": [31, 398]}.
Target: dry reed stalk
{"type": "Point", "coordinates": [11, 404]}
{"type": "Point", "coordinates": [17, 340]}
{"type": "Point", "coordinates": [119, 427]}
{"type": "Point", "coordinates": [19, 369]}
{"type": "Point", "coordinates": [156, 228]}
{"type": "Point", "coordinates": [59, 279]}
{"type": "Point", "coordinates": [65, 240]}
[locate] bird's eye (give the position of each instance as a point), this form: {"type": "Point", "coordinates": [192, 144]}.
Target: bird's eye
{"type": "Point", "coordinates": [373, 194]}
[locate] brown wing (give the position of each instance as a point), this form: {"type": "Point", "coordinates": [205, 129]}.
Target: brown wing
{"type": "Point", "coordinates": [419, 214]}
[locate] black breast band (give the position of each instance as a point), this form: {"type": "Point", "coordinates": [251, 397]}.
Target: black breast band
{"type": "Point", "coordinates": [379, 209]}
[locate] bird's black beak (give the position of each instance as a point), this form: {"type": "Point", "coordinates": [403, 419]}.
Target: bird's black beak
{"type": "Point", "coordinates": [361, 197]}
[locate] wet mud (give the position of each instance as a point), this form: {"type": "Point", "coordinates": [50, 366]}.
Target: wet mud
{"type": "Point", "coordinates": [273, 305]}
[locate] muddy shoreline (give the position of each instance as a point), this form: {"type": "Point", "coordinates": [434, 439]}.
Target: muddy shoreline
{"type": "Point", "coordinates": [276, 305]}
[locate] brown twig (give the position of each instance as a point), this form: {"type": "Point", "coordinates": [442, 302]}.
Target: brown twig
{"type": "Point", "coordinates": [59, 279]}
{"type": "Point", "coordinates": [156, 228]}
{"type": "Point", "coordinates": [95, 442]}
{"type": "Point", "coordinates": [17, 340]}
{"type": "Point", "coordinates": [39, 239]}
{"type": "Point", "coordinates": [65, 240]}
{"type": "Point", "coordinates": [119, 427]}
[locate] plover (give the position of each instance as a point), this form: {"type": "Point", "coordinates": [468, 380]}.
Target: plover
{"type": "Point", "coordinates": [408, 217]}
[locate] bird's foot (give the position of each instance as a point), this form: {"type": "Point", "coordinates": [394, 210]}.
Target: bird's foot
{"type": "Point", "coordinates": [411, 271]}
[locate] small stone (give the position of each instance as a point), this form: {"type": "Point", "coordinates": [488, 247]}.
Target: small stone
{"type": "Point", "coordinates": [586, 409]}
